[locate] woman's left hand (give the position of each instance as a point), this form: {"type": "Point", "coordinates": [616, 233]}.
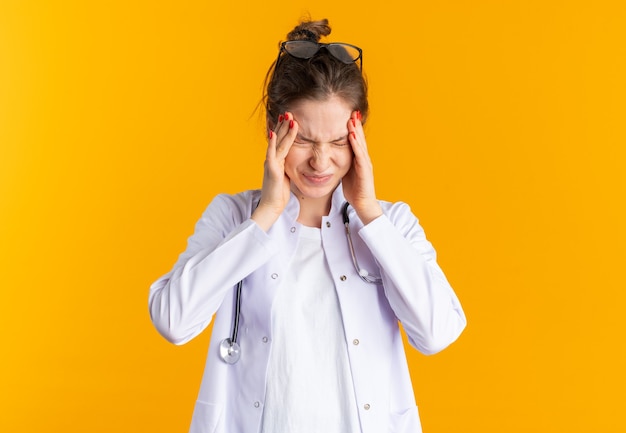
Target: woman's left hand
{"type": "Point", "coordinates": [358, 183]}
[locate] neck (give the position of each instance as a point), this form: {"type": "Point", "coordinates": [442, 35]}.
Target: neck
{"type": "Point", "coordinates": [313, 209]}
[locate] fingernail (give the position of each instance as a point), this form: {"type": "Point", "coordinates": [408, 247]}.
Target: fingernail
{"type": "Point", "coordinates": [280, 118]}
{"type": "Point", "coordinates": [353, 135]}
{"type": "Point", "coordinates": [290, 124]}
{"type": "Point", "coordinates": [359, 115]}
{"type": "Point", "coordinates": [271, 134]}
{"type": "Point", "coordinates": [353, 122]}
{"type": "Point", "coordinates": [286, 116]}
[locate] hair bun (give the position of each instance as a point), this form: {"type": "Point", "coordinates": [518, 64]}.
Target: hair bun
{"type": "Point", "coordinates": [309, 31]}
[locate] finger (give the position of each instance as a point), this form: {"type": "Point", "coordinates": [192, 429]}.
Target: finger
{"type": "Point", "coordinates": [288, 136]}
{"type": "Point", "coordinates": [271, 144]}
{"type": "Point", "coordinates": [279, 123]}
{"type": "Point", "coordinates": [355, 124]}
{"type": "Point", "coordinates": [356, 136]}
{"type": "Point", "coordinates": [275, 136]}
{"type": "Point", "coordinates": [357, 148]}
{"type": "Point", "coordinates": [281, 129]}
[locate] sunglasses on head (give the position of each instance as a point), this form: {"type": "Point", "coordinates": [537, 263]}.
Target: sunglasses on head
{"type": "Point", "coordinates": [346, 53]}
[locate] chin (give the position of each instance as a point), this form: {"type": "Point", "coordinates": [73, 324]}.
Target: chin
{"type": "Point", "coordinates": [314, 192]}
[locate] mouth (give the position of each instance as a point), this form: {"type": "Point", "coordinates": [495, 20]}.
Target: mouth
{"type": "Point", "coordinates": [317, 179]}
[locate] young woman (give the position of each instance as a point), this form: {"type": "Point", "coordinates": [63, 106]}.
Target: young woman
{"type": "Point", "coordinates": [306, 335]}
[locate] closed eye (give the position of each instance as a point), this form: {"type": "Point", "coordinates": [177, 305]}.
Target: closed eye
{"type": "Point", "coordinates": [304, 141]}
{"type": "Point", "coordinates": [301, 143]}
{"type": "Point", "coordinates": [343, 141]}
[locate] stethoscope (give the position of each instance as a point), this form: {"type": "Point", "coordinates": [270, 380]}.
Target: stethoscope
{"type": "Point", "coordinates": [230, 350]}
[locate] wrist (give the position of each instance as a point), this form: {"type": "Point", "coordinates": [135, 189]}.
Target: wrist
{"type": "Point", "coordinates": [264, 217]}
{"type": "Point", "coordinates": [368, 212]}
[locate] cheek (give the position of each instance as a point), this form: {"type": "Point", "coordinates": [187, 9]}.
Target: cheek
{"type": "Point", "coordinates": [292, 160]}
{"type": "Point", "coordinates": [344, 158]}
{"type": "Point", "coordinates": [289, 167]}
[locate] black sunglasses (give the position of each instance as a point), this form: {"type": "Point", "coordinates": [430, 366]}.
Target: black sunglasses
{"type": "Point", "coordinates": [346, 53]}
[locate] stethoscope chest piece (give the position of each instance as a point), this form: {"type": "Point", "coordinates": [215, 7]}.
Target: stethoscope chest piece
{"type": "Point", "coordinates": [229, 351]}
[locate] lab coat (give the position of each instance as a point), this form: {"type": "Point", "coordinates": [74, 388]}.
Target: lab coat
{"type": "Point", "coordinates": [227, 246]}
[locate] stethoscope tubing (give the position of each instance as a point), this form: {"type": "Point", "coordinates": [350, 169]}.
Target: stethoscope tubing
{"type": "Point", "coordinates": [363, 274]}
{"type": "Point", "coordinates": [235, 333]}
{"type": "Point", "coordinates": [230, 350]}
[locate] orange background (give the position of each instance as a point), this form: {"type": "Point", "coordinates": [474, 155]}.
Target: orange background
{"type": "Point", "coordinates": [500, 122]}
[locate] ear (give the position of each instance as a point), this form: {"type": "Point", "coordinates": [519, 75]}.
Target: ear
{"type": "Point", "coordinates": [270, 124]}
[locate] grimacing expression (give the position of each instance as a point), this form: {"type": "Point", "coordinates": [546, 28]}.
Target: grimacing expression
{"type": "Point", "coordinates": [321, 154]}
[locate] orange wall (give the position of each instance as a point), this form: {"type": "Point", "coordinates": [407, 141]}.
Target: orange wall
{"type": "Point", "coordinates": [500, 122]}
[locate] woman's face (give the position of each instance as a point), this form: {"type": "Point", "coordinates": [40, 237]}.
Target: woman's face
{"type": "Point", "coordinates": [321, 154]}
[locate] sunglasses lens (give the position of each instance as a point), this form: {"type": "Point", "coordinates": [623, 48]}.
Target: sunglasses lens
{"type": "Point", "coordinates": [345, 53]}
{"type": "Point", "coordinates": [301, 49]}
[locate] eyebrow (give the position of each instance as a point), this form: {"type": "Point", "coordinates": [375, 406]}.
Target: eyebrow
{"type": "Point", "coordinates": [310, 140]}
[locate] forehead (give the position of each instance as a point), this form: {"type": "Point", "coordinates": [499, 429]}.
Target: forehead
{"type": "Point", "coordinates": [322, 120]}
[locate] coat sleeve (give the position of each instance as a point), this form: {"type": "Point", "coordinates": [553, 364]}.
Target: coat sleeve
{"type": "Point", "coordinates": [415, 286]}
{"type": "Point", "coordinates": [225, 248]}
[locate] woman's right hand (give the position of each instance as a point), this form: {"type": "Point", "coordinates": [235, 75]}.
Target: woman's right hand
{"type": "Point", "coordinates": [276, 184]}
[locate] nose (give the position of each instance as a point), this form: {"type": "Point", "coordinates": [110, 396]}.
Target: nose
{"type": "Point", "coordinates": [320, 157]}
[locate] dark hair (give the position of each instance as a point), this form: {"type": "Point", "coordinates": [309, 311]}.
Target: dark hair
{"type": "Point", "coordinates": [290, 79]}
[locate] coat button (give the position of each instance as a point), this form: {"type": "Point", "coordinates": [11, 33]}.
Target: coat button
{"type": "Point", "coordinates": [366, 406]}
{"type": "Point", "coordinates": [274, 276]}
{"type": "Point", "coordinates": [342, 278]}
{"type": "Point", "coordinates": [265, 339]}
{"type": "Point", "coordinates": [356, 341]}
{"type": "Point", "coordinates": [257, 404]}
{"type": "Point", "coordinates": [292, 230]}
{"type": "Point", "coordinates": [328, 224]}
